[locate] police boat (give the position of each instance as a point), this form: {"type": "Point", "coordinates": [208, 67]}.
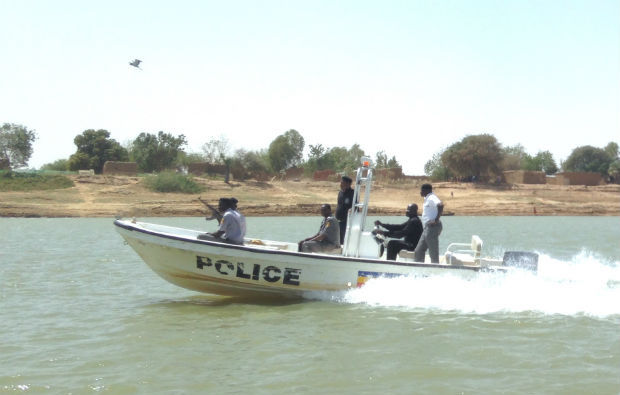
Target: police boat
{"type": "Point", "coordinates": [266, 268]}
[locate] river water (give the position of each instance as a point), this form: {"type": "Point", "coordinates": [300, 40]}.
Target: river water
{"type": "Point", "coordinates": [80, 313]}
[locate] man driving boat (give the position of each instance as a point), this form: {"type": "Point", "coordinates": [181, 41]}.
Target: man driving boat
{"type": "Point", "coordinates": [409, 231]}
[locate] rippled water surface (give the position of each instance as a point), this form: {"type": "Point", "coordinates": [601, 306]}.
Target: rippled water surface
{"type": "Point", "coordinates": [81, 313]}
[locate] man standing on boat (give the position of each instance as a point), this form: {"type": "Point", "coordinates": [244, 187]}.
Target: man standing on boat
{"type": "Point", "coordinates": [431, 211]}
{"type": "Point", "coordinates": [328, 238]}
{"type": "Point", "coordinates": [232, 227]}
{"type": "Point", "coordinates": [409, 231]}
{"type": "Point", "coordinates": [345, 202]}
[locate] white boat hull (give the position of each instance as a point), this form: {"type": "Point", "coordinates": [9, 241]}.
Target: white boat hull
{"type": "Point", "coordinates": [260, 267]}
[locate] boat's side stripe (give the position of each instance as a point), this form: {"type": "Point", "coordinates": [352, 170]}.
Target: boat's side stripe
{"type": "Point", "coordinates": [363, 276]}
{"type": "Point", "coordinates": [235, 284]}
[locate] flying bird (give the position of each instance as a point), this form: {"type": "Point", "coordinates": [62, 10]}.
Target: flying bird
{"type": "Point", "coordinates": [135, 63]}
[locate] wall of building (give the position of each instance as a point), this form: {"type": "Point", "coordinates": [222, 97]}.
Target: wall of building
{"type": "Point", "coordinates": [394, 173]}
{"type": "Point", "coordinates": [293, 173]}
{"type": "Point", "coordinates": [576, 178]}
{"type": "Point", "coordinates": [322, 175]}
{"type": "Point", "coordinates": [201, 168]}
{"type": "Point", "coordinates": [120, 168]}
{"type": "Point", "coordinates": [525, 177]}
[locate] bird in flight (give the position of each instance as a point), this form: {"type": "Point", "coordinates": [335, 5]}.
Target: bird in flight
{"type": "Point", "coordinates": [135, 63]}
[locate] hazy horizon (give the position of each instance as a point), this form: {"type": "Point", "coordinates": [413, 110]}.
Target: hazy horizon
{"type": "Point", "coordinates": [405, 77]}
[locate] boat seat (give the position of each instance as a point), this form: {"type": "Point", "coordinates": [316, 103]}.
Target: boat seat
{"type": "Point", "coordinates": [464, 253]}
{"type": "Point", "coordinates": [406, 254]}
{"type": "Point", "coordinates": [334, 251]}
{"type": "Point", "coordinates": [267, 246]}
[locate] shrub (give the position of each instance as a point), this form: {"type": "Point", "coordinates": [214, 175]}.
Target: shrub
{"type": "Point", "coordinates": [172, 182]}
{"type": "Point", "coordinates": [59, 165]}
{"type": "Point", "coordinates": [13, 181]}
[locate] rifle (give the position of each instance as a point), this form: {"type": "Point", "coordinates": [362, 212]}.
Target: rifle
{"type": "Point", "coordinates": [216, 214]}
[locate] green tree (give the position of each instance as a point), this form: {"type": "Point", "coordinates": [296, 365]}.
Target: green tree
{"type": "Point", "coordinates": [435, 168]}
{"type": "Point", "coordinates": [186, 159]}
{"type": "Point", "coordinates": [154, 153]}
{"type": "Point", "coordinates": [545, 162]}
{"type": "Point", "coordinates": [354, 157]}
{"type": "Point", "coordinates": [612, 150]}
{"type": "Point", "coordinates": [614, 171]}
{"type": "Point", "coordinates": [81, 161]}
{"type": "Point", "coordinates": [335, 158]}
{"type": "Point", "coordinates": [382, 161]}
{"type": "Point", "coordinates": [15, 145]}
{"type": "Point", "coordinates": [476, 156]}
{"type": "Point", "coordinates": [343, 159]}
{"type": "Point", "coordinates": [216, 149]}
{"type": "Point", "coordinates": [249, 164]}
{"type": "Point", "coordinates": [94, 148]}
{"type": "Point", "coordinates": [531, 163]}
{"type": "Point", "coordinates": [317, 159]}
{"type": "Point", "coordinates": [393, 163]}
{"type": "Point", "coordinates": [515, 158]}
{"type": "Point", "coordinates": [316, 151]}
{"type": "Point", "coordinates": [286, 150]}
{"type": "Point", "coordinates": [58, 165]}
{"type": "Point", "coordinates": [588, 158]}
{"type": "Point", "coordinates": [169, 181]}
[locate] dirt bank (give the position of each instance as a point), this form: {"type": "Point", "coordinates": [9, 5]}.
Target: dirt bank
{"type": "Point", "coordinates": [110, 196]}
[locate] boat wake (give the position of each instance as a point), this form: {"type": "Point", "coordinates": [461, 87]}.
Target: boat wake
{"type": "Point", "coordinates": [586, 285]}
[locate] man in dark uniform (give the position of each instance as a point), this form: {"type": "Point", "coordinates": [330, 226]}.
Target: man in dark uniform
{"type": "Point", "coordinates": [345, 202]}
{"type": "Point", "coordinates": [410, 231]}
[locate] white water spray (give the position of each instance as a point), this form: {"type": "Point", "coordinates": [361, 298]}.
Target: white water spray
{"type": "Point", "coordinates": [585, 285]}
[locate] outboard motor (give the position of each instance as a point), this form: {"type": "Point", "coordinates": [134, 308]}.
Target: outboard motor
{"type": "Point", "coordinates": [521, 259]}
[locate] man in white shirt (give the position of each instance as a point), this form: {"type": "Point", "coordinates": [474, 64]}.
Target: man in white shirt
{"type": "Point", "coordinates": [431, 211]}
{"type": "Point", "coordinates": [232, 227]}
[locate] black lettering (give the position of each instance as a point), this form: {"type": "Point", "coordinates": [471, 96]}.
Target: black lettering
{"type": "Point", "coordinates": [202, 261]}
{"type": "Point", "coordinates": [218, 266]}
{"type": "Point", "coordinates": [271, 274]}
{"type": "Point", "coordinates": [291, 276]}
{"type": "Point", "coordinates": [256, 272]}
{"type": "Point", "coordinates": [240, 271]}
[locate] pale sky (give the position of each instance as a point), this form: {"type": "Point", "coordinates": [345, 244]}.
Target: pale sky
{"type": "Point", "coordinates": [406, 77]}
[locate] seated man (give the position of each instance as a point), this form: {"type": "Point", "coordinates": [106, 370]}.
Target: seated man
{"type": "Point", "coordinates": [410, 231]}
{"type": "Point", "coordinates": [328, 237]}
{"type": "Point", "coordinates": [232, 225]}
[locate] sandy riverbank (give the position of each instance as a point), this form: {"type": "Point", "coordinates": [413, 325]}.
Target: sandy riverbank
{"type": "Point", "coordinates": [110, 196]}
